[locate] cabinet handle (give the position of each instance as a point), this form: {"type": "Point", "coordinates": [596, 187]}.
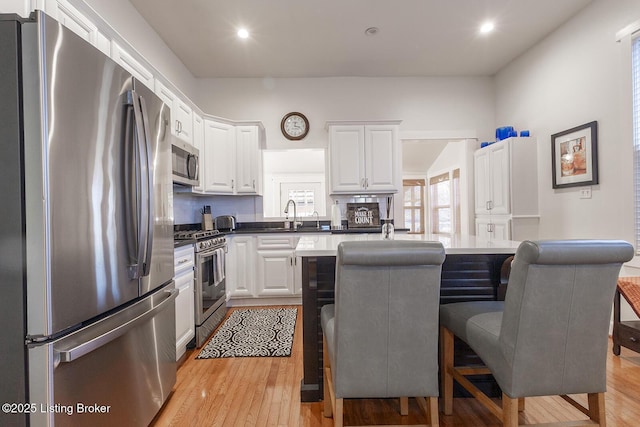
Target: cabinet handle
{"type": "Point", "coordinates": [254, 184]}
{"type": "Point", "coordinates": [291, 261]}
{"type": "Point", "coordinates": [362, 182]}
{"type": "Point", "coordinates": [182, 261]}
{"type": "Point", "coordinates": [633, 339]}
{"type": "Point", "coordinates": [233, 184]}
{"type": "Point", "coordinates": [366, 183]}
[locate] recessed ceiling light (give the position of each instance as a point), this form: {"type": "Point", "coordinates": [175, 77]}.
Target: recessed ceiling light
{"type": "Point", "coordinates": [371, 31]}
{"type": "Point", "coordinates": [243, 33]}
{"type": "Point", "coordinates": [487, 27]}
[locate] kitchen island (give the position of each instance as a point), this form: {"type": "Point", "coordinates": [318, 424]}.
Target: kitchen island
{"type": "Point", "coordinates": [471, 272]}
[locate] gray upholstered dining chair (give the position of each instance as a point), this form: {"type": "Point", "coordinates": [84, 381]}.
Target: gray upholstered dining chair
{"type": "Point", "coordinates": [549, 336]}
{"type": "Point", "coordinates": [381, 335]}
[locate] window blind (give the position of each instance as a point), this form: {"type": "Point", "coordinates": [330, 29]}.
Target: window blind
{"type": "Point", "coordinates": [635, 79]}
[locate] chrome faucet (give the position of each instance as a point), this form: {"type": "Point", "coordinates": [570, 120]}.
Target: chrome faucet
{"type": "Point", "coordinates": [295, 214]}
{"type": "Point", "coordinates": [317, 219]}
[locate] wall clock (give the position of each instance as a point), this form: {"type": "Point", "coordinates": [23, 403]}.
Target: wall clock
{"type": "Point", "coordinates": [294, 126]}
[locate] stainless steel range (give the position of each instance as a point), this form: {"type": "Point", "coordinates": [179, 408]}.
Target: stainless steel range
{"type": "Point", "coordinates": [210, 293]}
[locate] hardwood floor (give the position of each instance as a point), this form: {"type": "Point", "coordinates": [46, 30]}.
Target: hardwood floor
{"type": "Point", "coordinates": [265, 391]}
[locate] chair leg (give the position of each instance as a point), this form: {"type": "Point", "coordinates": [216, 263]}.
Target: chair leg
{"type": "Point", "coordinates": [326, 399]}
{"type": "Point", "coordinates": [596, 408]}
{"type": "Point", "coordinates": [521, 404]}
{"type": "Point", "coordinates": [446, 370]}
{"type": "Point", "coordinates": [404, 405]}
{"type": "Point", "coordinates": [509, 411]}
{"type": "Point", "coordinates": [433, 411]}
{"type": "Point", "coordinates": [338, 413]}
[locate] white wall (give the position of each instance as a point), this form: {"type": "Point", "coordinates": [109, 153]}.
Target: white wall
{"type": "Point", "coordinates": [459, 155]}
{"type": "Point", "coordinates": [570, 78]}
{"type": "Point", "coordinates": [423, 104]}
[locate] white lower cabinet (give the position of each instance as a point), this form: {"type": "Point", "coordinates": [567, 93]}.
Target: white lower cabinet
{"type": "Point", "coordinates": [275, 273]}
{"type": "Point", "coordinates": [240, 261]}
{"type": "Point", "coordinates": [263, 266]}
{"type": "Point", "coordinates": [184, 282]}
{"type": "Point", "coordinates": [493, 227]}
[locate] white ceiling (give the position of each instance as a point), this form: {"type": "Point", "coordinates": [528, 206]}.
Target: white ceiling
{"type": "Point", "coordinates": [322, 38]}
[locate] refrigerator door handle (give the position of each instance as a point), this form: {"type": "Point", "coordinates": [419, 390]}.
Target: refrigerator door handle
{"type": "Point", "coordinates": [142, 195]}
{"type": "Point", "coordinates": [149, 181]}
{"type": "Point", "coordinates": [71, 354]}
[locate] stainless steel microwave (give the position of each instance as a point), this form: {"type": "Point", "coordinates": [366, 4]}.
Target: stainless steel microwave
{"type": "Point", "coordinates": [185, 163]}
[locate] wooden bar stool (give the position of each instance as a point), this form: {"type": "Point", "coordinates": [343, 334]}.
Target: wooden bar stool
{"type": "Point", "coordinates": [626, 333]}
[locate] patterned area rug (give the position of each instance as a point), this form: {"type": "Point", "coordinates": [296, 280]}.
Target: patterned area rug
{"type": "Point", "coordinates": [252, 333]}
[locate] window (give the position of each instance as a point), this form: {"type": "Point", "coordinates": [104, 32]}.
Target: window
{"type": "Point", "coordinates": [307, 196]}
{"type": "Point", "coordinates": [444, 191]}
{"type": "Point", "coordinates": [413, 205]}
{"type": "Point", "coordinates": [635, 80]}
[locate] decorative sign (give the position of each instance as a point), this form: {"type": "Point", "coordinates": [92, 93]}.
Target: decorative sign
{"type": "Point", "coordinates": [363, 215]}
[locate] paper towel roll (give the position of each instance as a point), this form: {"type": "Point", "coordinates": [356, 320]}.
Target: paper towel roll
{"type": "Point", "coordinates": [336, 216]}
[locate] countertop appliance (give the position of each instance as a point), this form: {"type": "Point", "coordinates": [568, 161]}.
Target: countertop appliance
{"type": "Point", "coordinates": [225, 222]}
{"type": "Point", "coordinates": [210, 280]}
{"type": "Point", "coordinates": [87, 297]}
{"type": "Point", "coordinates": [184, 163]}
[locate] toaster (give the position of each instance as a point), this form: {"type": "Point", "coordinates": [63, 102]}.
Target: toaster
{"type": "Point", "coordinates": [225, 222]}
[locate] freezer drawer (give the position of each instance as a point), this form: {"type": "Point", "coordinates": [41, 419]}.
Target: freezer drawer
{"type": "Point", "coordinates": [119, 371]}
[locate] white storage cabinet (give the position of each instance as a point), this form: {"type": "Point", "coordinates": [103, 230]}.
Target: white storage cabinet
{"type": "Point", "coordinates": [364, 157]}
{"type": "Point", "coordinates": [240, 265]}
{"type": "Point", "coordinates": [506, 190]}
{"type": "Point", "coordinates": [181, 113]}
{"type": "Point", "coordinates": [276, 264]}
{"type": "Point", "coordinates": [232, 158]}
{"type": "Point", "coordinates": [185, 315]}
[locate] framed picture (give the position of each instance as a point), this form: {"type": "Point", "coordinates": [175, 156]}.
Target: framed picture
{"type": "Point", "coordinates": [574, 156]}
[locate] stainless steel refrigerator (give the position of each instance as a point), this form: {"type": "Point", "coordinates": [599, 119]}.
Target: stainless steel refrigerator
{"type": "Point", "coordinates": [87, 308]}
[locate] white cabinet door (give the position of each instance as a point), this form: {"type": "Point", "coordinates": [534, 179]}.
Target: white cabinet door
{"type": "Point", "coordinates": [185, 301]}
{"type": "Point", "coordinates": [71, 18]}
{"type": "Point", "coordinates": [500, 173]}
{"type": "Point", "coordinates": [129, 63]}
{"type": "Point", "coordinates": [364, 158]}
{"type": "Point", "coordinates": [381, 156]}
{"type": "Point", "coordinates": [247, 160]}
{"type": "Point", "coordinates": [492, 179]}
{"type": "Point", "coordinates": [482, 181]}
{"type": "Point", "coordinates": [493, 228]}
{"type": "Point", "coordinates": [241, 267]}
{"type": "Point", "coordinates": [347, 161]}
{"type": "Point", "coordinates": [219, 157]}
{"type": "Point", "coordinates": [198, 142]}
{"type": "Point", "coordinates": [185, 316]}
{"type": "Point", "coordinates": [501, 228]}
{"type": "Point", "coordinates": [181, 113]}
{"type": "Point", "coordinates": [275, 273]}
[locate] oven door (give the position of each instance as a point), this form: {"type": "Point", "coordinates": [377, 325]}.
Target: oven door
{"type": "Point", "coordinates": [210, 282]}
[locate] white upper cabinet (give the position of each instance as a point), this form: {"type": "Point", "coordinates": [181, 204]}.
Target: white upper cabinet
{"type": "Point", "coordinates": [198, 142]}
{"type": "Point", "coordinates": [232, 158]}
{"type": "Point", "coordinates": [364, 157]}
{"type": "Point", "coordinates": [492, 171]}
{"type": "Point", "coordinates": [219, 157]}
{"type": "Point", "coordinates": [248, 160]}
{"type": "Point", "coordinates": [132, 65]}
{"type": "Point", "coordinates": [69, 16]}
{"type": "Point", "coordinates": [181, 113]}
